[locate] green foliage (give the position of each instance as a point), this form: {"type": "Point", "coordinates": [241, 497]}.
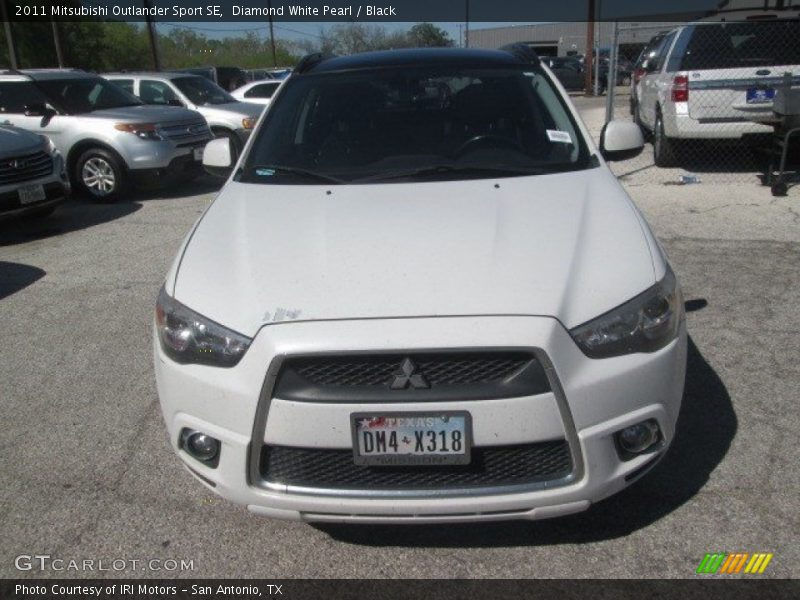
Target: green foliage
{"type": "Point", "coordinates": [113, 46]}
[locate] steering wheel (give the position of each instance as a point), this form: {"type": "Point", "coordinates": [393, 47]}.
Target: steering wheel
{"type": "Point", "coordinates": [490, 138]}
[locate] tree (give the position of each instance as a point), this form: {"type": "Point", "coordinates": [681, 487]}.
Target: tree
{"type": "Point", "coordinates": [427, 35]}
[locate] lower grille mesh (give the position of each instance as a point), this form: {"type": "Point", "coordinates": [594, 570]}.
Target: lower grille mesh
{"type": "Point", "coordinates": [490, 466]}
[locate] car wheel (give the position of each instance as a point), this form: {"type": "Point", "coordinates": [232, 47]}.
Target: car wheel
{"type": "Point", "coordinates": [100, 174]}
{"type": "Point", "coordinates": [233, 139]}
{"type": "Point", "coordinates": [664, 148]}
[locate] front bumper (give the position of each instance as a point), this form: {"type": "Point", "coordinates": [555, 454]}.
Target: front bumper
{"type": "Point", "coordinates": [180, 166]}
{"type": "Point", "coordinates": [56, 191]}
{"type": "Point", "coordinates": [150, 155]}
{"type": "Point", "coordinates": [590, 401]}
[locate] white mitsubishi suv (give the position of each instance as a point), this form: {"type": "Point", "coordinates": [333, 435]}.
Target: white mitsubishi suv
{"type": "Point", "coordinates": [421, 296]}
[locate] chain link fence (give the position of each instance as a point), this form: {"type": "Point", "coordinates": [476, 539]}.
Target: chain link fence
{"type": "Point", "coordinates": [703, 95]}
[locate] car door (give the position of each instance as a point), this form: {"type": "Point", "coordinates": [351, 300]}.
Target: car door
{"type": "Point", "coordinates": [16, 98]}
{"type": "Point", "coordinates": [652, 82]}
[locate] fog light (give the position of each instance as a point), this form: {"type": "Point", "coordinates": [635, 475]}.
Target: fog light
{"type": "Point", "coordinates": [640, 437]}
{"type": "Point", "coordinates": [201, 446]}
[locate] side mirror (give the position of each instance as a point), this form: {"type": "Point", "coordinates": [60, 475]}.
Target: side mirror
{"type": "Point", "coordinates": [218, 158]}
{"type": "Point", "coordinates": [621, 140]}
{"type": "Point", "coordinates": [39, 109]}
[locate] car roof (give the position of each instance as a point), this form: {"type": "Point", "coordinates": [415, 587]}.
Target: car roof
{"type": "Point", "coordinates": [48, 74]}
{"type": "Point", "coordinates": [417, 57]}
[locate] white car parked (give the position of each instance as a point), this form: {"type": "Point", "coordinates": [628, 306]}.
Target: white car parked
{"type": "Point", "coordinates": [422, 296]}
{"type": "Point", "coordinates": [714, 81]}
{"type": "Point", "coordinates": [258, 92]}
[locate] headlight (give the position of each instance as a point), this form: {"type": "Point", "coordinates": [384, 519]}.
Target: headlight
{"type": "Point", "coordinates": [146, 131]}
{"type": "Point", "coordinates": [645, 324]}
{"type": "Point", "coordinates": [248, 123]}
{"type": "Point", "coordinates": [188, 337]}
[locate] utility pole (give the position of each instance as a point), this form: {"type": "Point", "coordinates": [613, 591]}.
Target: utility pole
{"type": "Point", "coordinates": [612, 73]}
{"type": "Point", "coordinates": [588, 58]}
{"type": "Point", "coordinates": [466, 26]}
{"type": "Point", "coordinates": [272, 35]}
{"type": "Point", "coordinates": [57, 42]}
{"type": "Point", "coordinates": [12, 49]}
{"type": "Point", "coordinates": [151, 31]}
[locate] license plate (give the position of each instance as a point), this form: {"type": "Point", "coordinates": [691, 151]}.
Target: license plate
{"type": "Point", "coordinates": [28, 194]}
{"type": "Point", "coordinates": [760, 95]}
{"type": "Point", "coordinates": [198, 153]}
{"type": "Point", "coordinates": [399, 439]}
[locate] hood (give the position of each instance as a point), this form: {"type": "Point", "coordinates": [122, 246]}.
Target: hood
{"type": "Point", "coordinates": [568, 245]}
{"type": "Point", "coordinates": [239, 109]}
{"type": "Point", "coordinates": [161, 115]}
{"type": "Point", "coordinates": [17, 142]}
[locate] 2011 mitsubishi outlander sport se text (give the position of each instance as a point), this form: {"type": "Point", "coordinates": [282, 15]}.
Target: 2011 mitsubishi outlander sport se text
{"type": "Point", "coordinates": [421, 296]}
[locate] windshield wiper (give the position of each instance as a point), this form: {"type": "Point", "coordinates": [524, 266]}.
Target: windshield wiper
{"type": "Point", "coordinates": [270, 170]}
{"type": "Point", "coordinates": [444, 169]}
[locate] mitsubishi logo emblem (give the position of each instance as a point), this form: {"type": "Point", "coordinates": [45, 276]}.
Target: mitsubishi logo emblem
{"type": "Point", "coordinates": [408, 376]}
{"type": "Point", "coordinates": [18, 164]}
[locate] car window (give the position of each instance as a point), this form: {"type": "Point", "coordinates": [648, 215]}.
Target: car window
{"type": "Point", "coordinates": [736, 45]}
{"type": "Point", "coordinates": [660, 55]}
{"type": "Point", "coordinates": [125, 84]}
{"type": "Point", "coordinates": [264, 90]}
{"type": "Point", "coordinates": [86, 94]}
{"type": "Point", "coordinates": [648, 51]}
{"type": "Point", "coordinates": [367, 124]}
{"type": "Point", "coordinates": [201, 91]}
{"type": "Point", "coordinates": [16, 95]}
{"type": "Point", "coordinates": [157, 92]}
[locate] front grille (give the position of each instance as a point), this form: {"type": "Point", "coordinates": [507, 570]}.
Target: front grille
{"type": "Point", "coordinates": [25, 168]}
{"type": "Point", "coordinates": [411, 376]}
{"type": "Point", "coordinates": [186, 133]}
{"type": "Point", "coordinates": [490, 466]}
{"type": "Point", "coordinates": [438, 371]}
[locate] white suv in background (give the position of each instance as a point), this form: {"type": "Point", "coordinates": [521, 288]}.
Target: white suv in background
{"type": "Point", "coordinates": [715, 81]}
{"type": "Point", "coordinates": [108, 137]}
{"type": "Point", "coordinates": [226, 116]}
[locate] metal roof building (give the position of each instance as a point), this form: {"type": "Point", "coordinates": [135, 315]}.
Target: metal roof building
{"type": "Point", "coordinates": [560, 39]}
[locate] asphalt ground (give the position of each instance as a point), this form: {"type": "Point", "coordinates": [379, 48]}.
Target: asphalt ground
{"type": "Point", "coordinates": [86, 471]}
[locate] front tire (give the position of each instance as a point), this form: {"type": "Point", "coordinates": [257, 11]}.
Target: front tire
{"type": "Point", "coordinates": [665, 149]}
{"type": "Point", "coordinates": [100, 174]}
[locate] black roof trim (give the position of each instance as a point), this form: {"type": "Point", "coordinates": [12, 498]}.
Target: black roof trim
{"type": "Point", "coordinates": [309, 61]}
{"type": "Point", "coordinates": [522, 51]}
{"type": "Point", "coordinates": [515, 55]}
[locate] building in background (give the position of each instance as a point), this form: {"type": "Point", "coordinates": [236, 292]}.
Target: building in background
{"type": "Point", "coordinates": [565, 39]}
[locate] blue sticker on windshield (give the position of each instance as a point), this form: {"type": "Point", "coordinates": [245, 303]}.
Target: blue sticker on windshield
{"type": "Point", "coordinates": [265, 172]}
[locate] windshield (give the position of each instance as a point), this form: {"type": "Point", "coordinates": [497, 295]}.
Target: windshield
{"type": "Point", "coordinates": [201, 91]}
{"type": "Point", "coordinates": [77, 96]}
{"type": "Point", "coordinates": [413, 124]}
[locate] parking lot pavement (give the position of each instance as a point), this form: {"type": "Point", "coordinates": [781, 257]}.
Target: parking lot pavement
{"type": "Point", "coordinates": [86, 471]}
